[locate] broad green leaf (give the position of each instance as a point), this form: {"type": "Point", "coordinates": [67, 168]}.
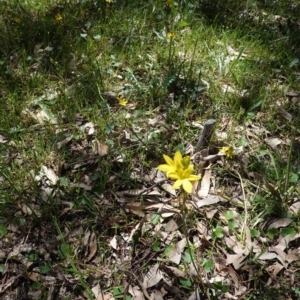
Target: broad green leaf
{"type": "Point", "coordinates": [185, 283]}
{"type": "Point", "coordinates": [232, 224]}
{"type": "Point", "coordinates": [208, 265]}
{"type": "Point", "coordinates": [183, 24]}
{"type": "Point", "coordinates": [44, 268]}
{"type": "Point", "coordinates": [228, 214]}
{"type": "Point", "coordinates": [169, 249]}
{"type": "Point", "coordinates": [156, 246]}
{"type": "Point", "coordinates": [155, 219]}
{"type": "Point", "coordinates": [288, 231]}
{"type": "Point", "coordinates": [254, 233]}
{"type": "Point", "coordinates": [293, 177]}
{"type": "Point", "coordinates": [217, 233]}
{"type": "Point", "coordinates": [272, 232]}
{"type": "Point", "coordinates": [3, 230]}
{"type": "Point", "coordinates": [118, 292]}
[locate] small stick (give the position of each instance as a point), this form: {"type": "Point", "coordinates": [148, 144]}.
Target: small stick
{"type": "Point", "coordinates": [206, 134]}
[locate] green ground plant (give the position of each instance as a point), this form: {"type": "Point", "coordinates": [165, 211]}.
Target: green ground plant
{"type": "Point", "coordinates": [93, 93]}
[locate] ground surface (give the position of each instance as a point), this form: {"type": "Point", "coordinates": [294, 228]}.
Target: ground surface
{"type": "Point", "coordinates": [93, 94]}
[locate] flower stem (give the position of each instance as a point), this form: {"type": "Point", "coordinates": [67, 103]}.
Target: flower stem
{"type": "Point", "coordinates": [183, 211]}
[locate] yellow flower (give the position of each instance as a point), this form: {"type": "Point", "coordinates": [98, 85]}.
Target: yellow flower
{"type": "Point", "coordinates": [122, 101]}
{"type": "Point", "coordinates": [17, 20]}
{"type": "Point", "coordinates": [58, 17]}
{"type": "Point", "coordinates": [171, 35]}
{"type": "Point", "coordinates": [228, 151]}
{"type": "Point", "coordinates": [181, 170]}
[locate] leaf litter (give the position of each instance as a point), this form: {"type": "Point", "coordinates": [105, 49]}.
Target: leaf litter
{"type": "Point", "coordinates": [158, 206]}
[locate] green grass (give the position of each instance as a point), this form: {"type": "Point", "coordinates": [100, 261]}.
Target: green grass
{"type": "Point", "coordinates": [63, 65]}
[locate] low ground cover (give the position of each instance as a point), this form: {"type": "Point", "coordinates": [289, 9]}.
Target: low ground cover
{"type": "Point", "coordinates": [94, 95]}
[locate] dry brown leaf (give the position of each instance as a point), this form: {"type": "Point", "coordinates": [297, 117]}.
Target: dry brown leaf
{"type": "Point", "coordinates": [275, 269]}
{"type": "Point", "coordinates": [266, 256]}
{"type": "Point", "coordinates": [230, 241]}
{"type": "Point", "coordinates": [99, 148]}
{"type": "Point", "coordinates": [50, 174]}
{"type": "Point", "coordinates": [136, 293]}
{"type": "Point", "coordinates": [233, 275]}
{"type": "Point", "coordinates": [92, 247]}
{"type": "Point", "coordinates": [237, 260]}
{"type": "Point", "coordinates": [156, 295]}
{"type": "Point", "coordinates": [282, 222]}
{"type": "Point", "coordinates": [273, 142]}
{"type": "Point", "coordinates": [205, 184]}
{"type": "Point", "coordinates": [211, 212]}
{"type": "Point", "coordinates": [114, 243]}
{"type": "Point", "coordinates": [108, 296]}
{"type": "Point", "coordinates": [295, 207]}
{"type": "Point", "coordinates": [248, 239]}
{"type": "Point", "coordinates": [293, 255]}
{"type": "Point", "coordinates": [163, 209]}
{"type": "Point", "coordinates": [89, 128]}
{"type": "Point", "coordinates": [152, 277]}
{"type": "Point", "coordinates": [176, 271]}
{"type": "Point", "coordinates": [34, 276]}
{"type": "Point", "coordinates": [284, 113]}
{"type": "Point", "coordinates": [171, 226]}
{"type": "Point", "coordinates": [174, 255]}
{"type": "Point", "coordinates": [64, 142]}
{"type": "Point", "coordinates": [169, 189]}
{"type": "Point", "coordinates": [3, 139]}
{"type": "Point", "coordinates": [195, 295]}
{"type": "Point", "coordinates": [281, 255]}
{"type": "Point", "coordinates": [209, 200]}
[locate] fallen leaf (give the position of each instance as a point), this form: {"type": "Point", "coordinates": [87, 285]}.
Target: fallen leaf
{"type": "Point", "coordinates": [209, 200]}
{"type": "Point", "coordinates": [152, 277]}
{"type": "Point", "coordinates": [273, 142]}
{"type": "Point", "coordinates": [266, 256]}
{"type": "Point", "coordinates": [92, 247]}
{"type": "Point", "coordinates": [282, 222]}
{"type": "Point", "coordinates": [275, 269]}
{"type": "Point", "coordinates": [99, 148]}
{"type": "Point", "coordinates": [237, 260]}
{"type": "Point", "coordinates": [205, 184]}
{"type": "Point", "coordinates": [50, 174]}
{"type": "Point", "coordinates": [232, 275]}
{"type": "Point", "coordinates": [284, 113]}
{"type": "Point", "coordinates": [176, 271]}
{"type": "Point", "coordinates": [136, 293]}
{"type": "Point", "coordinates": [113, 243]}
{"type": "Point", "coordinates": [89, 128]}
{"type": "Point", "coordinates": [171, 226]}
{"type": "Point", "coordinates": [174, 253]}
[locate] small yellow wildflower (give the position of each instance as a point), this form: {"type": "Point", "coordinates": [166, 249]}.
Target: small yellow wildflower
{"type": "Point", "coordinates": [181, 170]}
{"type": "Point", "coordinates": [228, 151]}
{"type": "Point", "coordinates": [171, 35]}
{"type": "Point", "coordinates": [122, 101]}
{"type": "Point", "coordinates": [58, 17]}
{"type": "Point", "coordinates": [17, 20]}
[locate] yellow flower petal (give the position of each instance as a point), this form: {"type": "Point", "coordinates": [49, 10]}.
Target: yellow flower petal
{"type": "Point", "coordinates": [166, 168]}
{"type": "Point", "coordinates": [187, 172]}
{"type": "Point", "coordinates": [187, 186]}
{"type": "Point", "coordinates": [173, 175]}
{"type": "Point", "coordinates": [228, 151]}
{"type": "Point", "coordinates": [177, 159]}
{"type": "Point", "coordinates": [193, 178]}
{"type": "Point", "coordinates": [169, 160]}
{"type": "Point", "coordinates": [177, 184]}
